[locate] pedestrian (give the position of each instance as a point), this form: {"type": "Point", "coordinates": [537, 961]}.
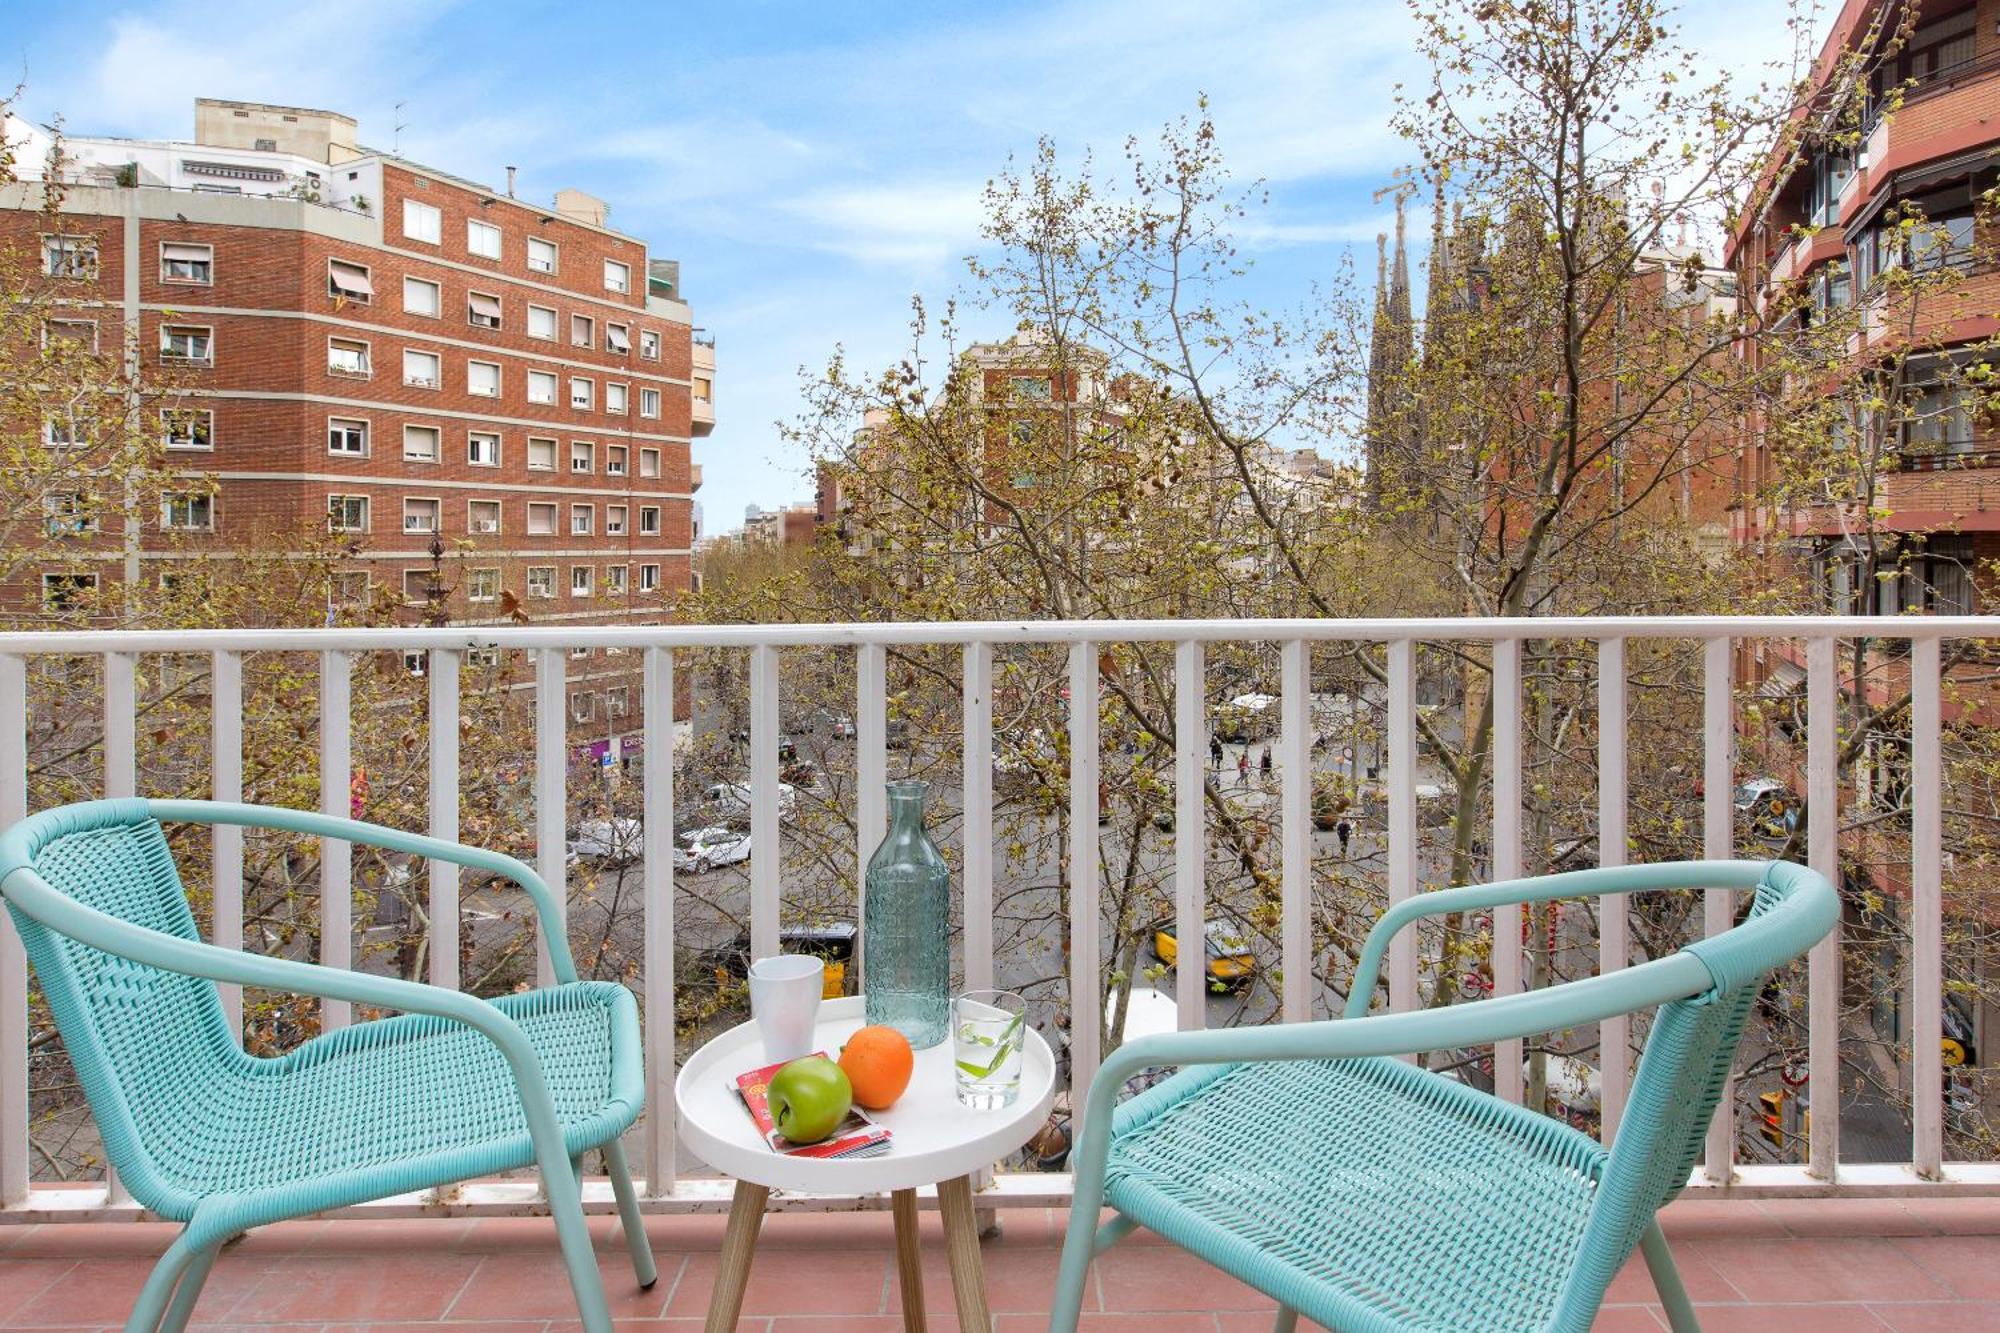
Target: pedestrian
{"type": "Point", "coordinates": [1243, 767]}
{"type": "Point", "coordinates": [1343, 831]}
{"type": "Point", "coordinates": [1264, 764]}
{"type": "Point", "coordinates": [1215, 752]}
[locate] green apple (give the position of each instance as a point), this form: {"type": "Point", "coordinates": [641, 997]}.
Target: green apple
{"type": "Point", "coordinates": [808, 1098]}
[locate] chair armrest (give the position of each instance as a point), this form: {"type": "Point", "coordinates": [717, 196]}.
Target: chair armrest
{"type": "Point", "coordinates": [548, 910]}
{"type": "Point", "coordinates": [1542, 888]}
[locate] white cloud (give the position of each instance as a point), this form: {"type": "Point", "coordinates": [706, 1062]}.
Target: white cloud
{"type": "Point", "coordinates": [911, 223]}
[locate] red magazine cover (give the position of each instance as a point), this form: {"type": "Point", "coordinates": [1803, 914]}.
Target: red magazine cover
{"type": "Point", "coordinates": [856, 1136]}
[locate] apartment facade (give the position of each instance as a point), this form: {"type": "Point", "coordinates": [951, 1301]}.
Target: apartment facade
{"type": "Point", "coordinates": [491, 401]}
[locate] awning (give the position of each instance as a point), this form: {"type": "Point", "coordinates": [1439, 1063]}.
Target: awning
{"type": "Point", "coordinates": [351, 279]}
{"type": "Point", "coordinates": [195, 253]}
{"type": "Point", "coordinates": [618, 339]}
{"type": "Point", "coordinates": [232, 171]}
{"type": "Point", "coordinates": [1786, 676]}
{"type": "Point", "coordinates": [485, 305]}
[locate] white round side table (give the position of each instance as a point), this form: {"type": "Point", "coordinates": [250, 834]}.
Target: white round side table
{"type": "Point", "coordinates": [933, 1141]}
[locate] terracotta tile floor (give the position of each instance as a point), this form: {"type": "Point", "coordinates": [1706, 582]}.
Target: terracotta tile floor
{"type": "Point", "coordinates": [1826, 1265]}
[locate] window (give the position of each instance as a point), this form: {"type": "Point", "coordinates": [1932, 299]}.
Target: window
{"type": "Point", "coordinates": [649, 402]}
{"type": "Point", "coordinates": [421, 370]}
{"type": "Point", "coordinates": [541, 455]}
{"type": "Point", "coordinates": [582, 330]}
{"type": "Point", "coordinates": [80, 331]}
{"type": "Point", "coordinates": [69, 256]}
{"type": "Point", "coordinates": [649, 462]}
{"type": "Point", "coordinates": [541, 520]}
{"type": "Point", "coordinates": [188, 513]}
{"type": "Point", "coordinates": [66, 592]}
{"type": "Point", "coordinates": [1938, 419]}
{"type": "Point", "coordinates": [423, 222]}
{"type": "Point", "coordinates": [617, 697]}
{"type": "Point", "coordinates": [649, 520]}
{"type": "Point", "coordinates": [420, 444]}
{"type": "Point", "coordinates": [618, 338]}
{"type": "Point", "coordinates": [420, 515]}
{"type": "Point", "coordinates": [482, 378]}
{"type": "Point", "coordinates": [347, 435]}
{"type": "Point", "coordinates": [649, 578]}
{"type": "Point", "coordinates": [541, 386]}
{"type": "Point", "coordinates": [582, 520]}
{"type": "Point", "coordinates": [541, 255]}
{"type": "Point", "coordinates": [482, 516]}
{"type": "Point", "coordinates": [702, 390]}
{"type": "Point", "coordinates": [189, 429]}
{"type": "Point", "coordinates": [617, 276]}
{"type": "Point", "coordinates": [187, 344]}
{"type": "Point", "coordinates": [581, 580]}
{"type": "Point", "coordinates": [347, 356]}
{"type": "Point", "coordinates": [483, 585]}
{"type": "Point", "coordinates": [615, 577]}
{"type": "Point", "coordinates": [67, 514]}
{"type": "Point", "coordinates": [348, 282]}
{"type": "Point", "coordinates": [649, 344]}
{"type": "Point", "coordinates": [541, 580]}
{"type": "Point", "coordinates": [482, 310]}
{"type": "Point", "coordinates": [614, 520]}
{"type": "Point", "coordinates": [347, 513]}
{"type": "Point", "coordinates": [582, 704]}
{"type": "Point", "coordinates": [614, 399]}
{"type": "Point", "coordinates": [416, 588]}
{"type": "Point", "coordinates": [422, 298]}
{"type": "Point", "coordinates": [582, 456]}
{"type": "Point", "coordinates": [63, 431]}
{"type": "Point", "coordinates": [1030, 388]}
{"type": "Point", "coordinates": [482, 448]}
{"type": "Point", "coordinates": [581, 393]}
{"type": "Point", "coordinates": [614, 460]}
{"type": "Point", "coordinates": [351, 588]}
{"type": "Point", "coordinates": [541, 322]}
{"type": "Point", "coordinates": [194, 264]}
{"type": "Point", "coordinates": [482, 239]}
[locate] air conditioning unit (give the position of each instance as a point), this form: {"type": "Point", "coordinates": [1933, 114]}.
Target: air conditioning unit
{"type": "Point", "coordinates": [486, 525]}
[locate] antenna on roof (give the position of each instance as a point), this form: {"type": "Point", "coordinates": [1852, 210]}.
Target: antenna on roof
{"type": "Point", "coordinates": [396, 132]}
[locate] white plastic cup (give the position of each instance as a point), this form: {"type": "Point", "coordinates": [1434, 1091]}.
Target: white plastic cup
{"type": "Point", "coordinates": [784, 999]}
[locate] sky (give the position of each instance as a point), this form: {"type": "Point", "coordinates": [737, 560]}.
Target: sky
{"type": "Point", "coordinates": [812, 165]}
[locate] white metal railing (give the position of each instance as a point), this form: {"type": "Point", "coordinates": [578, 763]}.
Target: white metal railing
{"type": "Point", "coordinates": [22, 1198]}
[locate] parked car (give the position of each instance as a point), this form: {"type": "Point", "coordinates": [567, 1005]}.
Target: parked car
{"type": "Point", "coordinates": [1767, 807]}
{"type": "Point", "coordinates": [734, 798]}
{"type": "Point", "coordinates": [837, 725]}
{"type": "Point", "coordinates": [698, 851]}
{"type": "Point", "coordinates": [833, 943]}
{"type": "Point", "coordinates": [617, 842]}
{"type": "Point", "coordinates": [1230, 962]}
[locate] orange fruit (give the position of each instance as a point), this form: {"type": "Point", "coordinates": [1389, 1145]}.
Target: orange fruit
{"type": "Point", "coordinates": [877, 1061]}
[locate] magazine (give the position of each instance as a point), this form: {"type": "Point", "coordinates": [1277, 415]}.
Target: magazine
{"type": "Point", "coordinates": [856, 1136]}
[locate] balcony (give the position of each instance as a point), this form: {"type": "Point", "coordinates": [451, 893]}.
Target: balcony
{"type": "Point", "coordinates": [1866, 1212]}
{"type": "Point", "coordinates": [702, 391]}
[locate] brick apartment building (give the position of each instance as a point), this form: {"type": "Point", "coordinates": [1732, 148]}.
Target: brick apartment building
{"type": "Point", "coordinates": [416, 361]}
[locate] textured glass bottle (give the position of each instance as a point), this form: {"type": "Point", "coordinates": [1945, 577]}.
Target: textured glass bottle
{"type": "Point", "coordinates": [905, 949]}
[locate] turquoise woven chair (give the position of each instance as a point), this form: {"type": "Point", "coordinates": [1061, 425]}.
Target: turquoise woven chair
{"type": "Point", "coordinates": [1371, 1196]}
{"type": "Point", "coordinates": [452, 1088]}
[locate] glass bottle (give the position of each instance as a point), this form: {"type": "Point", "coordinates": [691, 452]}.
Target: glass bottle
{"type": "Point", "coordinates": [905, 948]}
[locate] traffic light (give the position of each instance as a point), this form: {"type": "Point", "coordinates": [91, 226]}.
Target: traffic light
{"type": "Point", "coordinates": [1772, 1116]}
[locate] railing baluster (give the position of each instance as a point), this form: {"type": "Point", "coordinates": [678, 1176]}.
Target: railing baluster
{"type": "Point", "coordinates": [1926, 909]}
{"type": "Point", "coordinates": [444, 816]}
{"type": "Point", "coordinates": [1190, 829]}
{"type": "Point", "coordinates": [1718, 817]}
{"type": "Point", "coordinates": [1614, 925]}
{"type": "Point", "coordinates": [871, 772]}
{"type": "Point", "coordinates": [1085, 958]}
{"type": "Point", "coordinates": [1823, 855]}
{"type": "Point", "coordinates": [1402, 815]}
{"type": "Point", "coordinates": [121, 706]}
{"type": "Point", "coordinates": [658, 871]}
{"type": "Point", "coordinates": [14, 1174]}
{"type": "Point", "coordinates": [225, 757]}
{"type": "Point", "coordinates": [336, 864]}
{"type": "Point", "coordinates": [551, 792]}
{"type": "Point", "coordinates": [977, 823]}
{"type": "Point", "coordinates": [1507, 1055]}
{"type": "Point", "coordinates": [1295, 816]}
{"type": "Point", "coordinates": [764, 812]}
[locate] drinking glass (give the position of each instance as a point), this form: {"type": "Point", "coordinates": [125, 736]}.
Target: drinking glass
{"type": "Point", "coordinates": [989, 1028]}
{"type": "Point", "coordinates": [785, 992]}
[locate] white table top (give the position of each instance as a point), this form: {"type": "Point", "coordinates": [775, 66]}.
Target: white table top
{"type": "Point", "coordinates": [933, 1137]}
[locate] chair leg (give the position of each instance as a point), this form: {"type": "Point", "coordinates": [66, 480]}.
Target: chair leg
{"type": "Point", "coordinates": [629, 1220]}
{"type": "Point", "coordinates": [1078, 1247]}
{"type": "Point", "coordinates": [160, 1283]}
{"type": "Point", "coordinates": [578, 1256]}
{"type": "Point", "coordinates": [189, 1290]}
{"type": "Point", "coordinates": [1667, 1280]}
{"type": "Point", "coordinates": [1287, 1320]}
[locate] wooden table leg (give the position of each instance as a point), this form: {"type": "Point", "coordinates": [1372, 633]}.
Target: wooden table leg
{"type": "Point", "coordinates": [961, 1245]}
{"type": "Point", "coordinates": [732, 1268]}
{"type": "Point", "coordinates": [909, 1259]}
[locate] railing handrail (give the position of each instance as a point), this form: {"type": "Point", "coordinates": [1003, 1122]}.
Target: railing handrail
{"type": "Point", "coordinates": [1916, 628]}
